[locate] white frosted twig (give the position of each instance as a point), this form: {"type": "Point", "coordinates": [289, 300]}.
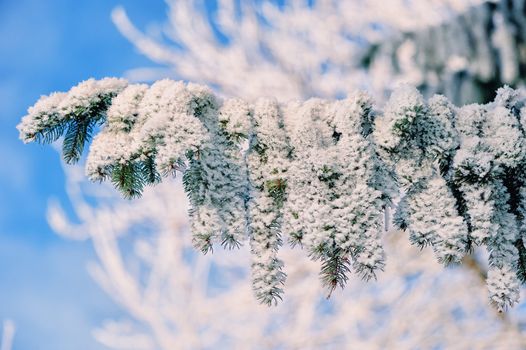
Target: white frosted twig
{"type": "Point", "coordinates": [8, 334]}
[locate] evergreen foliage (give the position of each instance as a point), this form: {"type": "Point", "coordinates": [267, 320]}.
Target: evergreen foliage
{"type": "Point", "coordinates": [318, 174]}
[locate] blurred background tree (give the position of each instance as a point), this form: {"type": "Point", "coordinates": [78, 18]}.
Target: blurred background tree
{"type": "Point", "coordinates": [297, 49]}
{"type": "Point", "coordinates": [177, 298]}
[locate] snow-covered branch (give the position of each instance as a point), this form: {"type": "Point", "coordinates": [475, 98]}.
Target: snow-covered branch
{"type": "Point", "coordinates": [341, 163]}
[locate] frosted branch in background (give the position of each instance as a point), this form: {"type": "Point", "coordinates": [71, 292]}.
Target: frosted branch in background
{"type": "Point", "coordinates": [297, 50]}
{"type": "Point", "coordinates": [466, 57]}
{"type": "Point", "coordinates": [8, 334]}
{"type": "Point", "coordinates": [463, 49]}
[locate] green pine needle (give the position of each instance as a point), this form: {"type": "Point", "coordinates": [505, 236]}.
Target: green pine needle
{"type": "Point", "coordinates": [149, 172]}
{"type": "Point", "coordinates": [335, 270]}
{"type": "Point", "coordinates": [77, 134]}
{"type": "Point", "coordinates": [228, 241]}
{"type": "Point", "coordinates": [128, 179]}
{"type": "Point", "coordinates": [194, 182]}
{"type": "Point", "coordinates": [203, 242]}
{"type": "Point", "coordinates": [49, 135]}
{"type": "Point", "coordinates": [521, 263]}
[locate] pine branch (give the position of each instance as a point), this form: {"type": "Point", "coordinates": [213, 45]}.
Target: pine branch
{"type": "Point", "coordinates": [78, 133]}
{"type": "Point", "coordinates": [295, 239]}
{"type": "Point", "coordinates": [319, 177]}
{"type": "Point", "coordinates": [203, 242]}
{"type": "Point", "coordinates": [277, 190]}
{"type": "Point", "coordinates": [229, 241]}
{"type": "Point", "coordinates": [268, 281]}
{"type": "Point", "coordinates": [149, 172]}
{"type": "Point", "coordinates": [193, 182]}
{"type": "Point", "coordinates": [128, 180]}
{"type": "Point", "coordinates": [521, 263]}
{"type": "Point", "coordinates": [50, 134]}
{"type": "Point", "coordinates": [368, 260]}
{"type": "Point", "coordinates": [335, 270]}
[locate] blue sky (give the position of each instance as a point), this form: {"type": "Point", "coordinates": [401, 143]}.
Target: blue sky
{"type": "Point", "coordinates": [46, 46]}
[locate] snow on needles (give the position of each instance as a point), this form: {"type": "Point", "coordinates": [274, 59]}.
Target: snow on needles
{"type": "Point", "coordinates": [318, 174]}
